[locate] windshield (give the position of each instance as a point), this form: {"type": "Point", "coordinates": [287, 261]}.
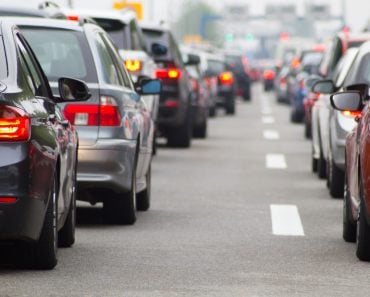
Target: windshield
{"type": "Point", "coordinates": [116, 31]}
{"type": "Point", "coordinates": [62, 53]}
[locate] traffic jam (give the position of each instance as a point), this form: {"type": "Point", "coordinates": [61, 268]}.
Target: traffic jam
{"type": "Point", "coordinates": [199, 150]}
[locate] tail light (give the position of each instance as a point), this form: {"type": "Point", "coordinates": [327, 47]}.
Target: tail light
{"type": "Point", "coordinates": [105, 114]}
{"type": "Point", "coordinates": [133, 65]}
{"type": "Point", "coordinates": [170, 73]}
{"type": "Point", "coordinates": [226, 78]}
{"type": "Point", "coordinates": [73, 18]}
{"type": "Point", "coordinates": [14, 124]}
{"type": "Point", "coordinates": [351, 113]}
{"type": "Point", "coordinates": [283, 81]}
{"type": "Point", "coordinates": [8, 200]}
{"type": "Point", "coordinates": [268, 74]}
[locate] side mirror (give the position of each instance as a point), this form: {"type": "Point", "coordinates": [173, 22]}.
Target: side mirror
{"type": "Point", "coordinates": [362, 88]}
{"type": "Point", "coordinates": [149, 87]}
{"type": "Point", "coordinates": [192, 60]}
{"type": "Point", "coordinates": [72, 90]}
{"type": "Point", "coordinates": [324, 87]}
{"type": "Point", "coordinates": [310, 81]}
{"type": "Point", "coordinates": [158, 49]}
{"type": "Point", "coordinates": [348, 100]}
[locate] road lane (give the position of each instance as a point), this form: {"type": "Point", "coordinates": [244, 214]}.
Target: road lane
{"type": "Point", "coordinates": [208, 232]}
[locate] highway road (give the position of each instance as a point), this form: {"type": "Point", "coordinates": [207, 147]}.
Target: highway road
{"type": "Point", "coordinates": [238, 214]}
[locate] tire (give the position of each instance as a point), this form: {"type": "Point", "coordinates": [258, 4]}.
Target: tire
{"type": "Point", "coordinates": [154, 145]}
{"type": "Point", "coordinates": [66, 236]}
{"type": "Point", "coordinates": [212, 112]}
{"type": "Point", "coordinates": [181, 136]}
{"type": "Point", "coordinates": [201, 130]}
{"type": "Point", "coordinates": [321, 166]}
{"type": "Point", "coordinates": [230, 107]}
{"type": "Point", "coordinates": [121, 208]}
{"type": "Point", "coordinates": [143, 198]}
{"type": "Point", "coordinates": [362, 234]}
{"type": "Point", "coordinates": [314, 162]}
{"type": "Point", "coordinates": [43, 253]}
{"type": "Point", "coordinates": [335, 180]}
{"type": "Point", "coordinates": [307, 130]}
{"type": "Point", "coordinates": [349, 227]}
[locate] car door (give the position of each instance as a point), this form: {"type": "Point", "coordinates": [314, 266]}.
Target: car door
{"type": "Point", "coordinates": [53, 135]}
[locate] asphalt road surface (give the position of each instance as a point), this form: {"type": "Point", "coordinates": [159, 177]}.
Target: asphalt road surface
{"type": "Point", "coordinates": [239, 214]}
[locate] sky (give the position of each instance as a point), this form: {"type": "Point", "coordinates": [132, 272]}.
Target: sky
{"type": "Point", "coordinates": [357, 11]}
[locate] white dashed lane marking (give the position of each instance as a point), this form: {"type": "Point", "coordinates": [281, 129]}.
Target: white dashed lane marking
{"type": "Point", "coordinates": [276, 161]}
{"type": "Point", "coordinates": [286, 221]}
{"type": "Point", "coordinates": [271, 134]}
{"type": "Point", "coordinates": [268, 120]}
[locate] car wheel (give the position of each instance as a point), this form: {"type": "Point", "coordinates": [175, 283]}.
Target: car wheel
{"type": "Point", "coordinates": [143, 198]}
{"type": "Point", "coordinates": [307, 130]}
{"type": "Point", "coordinates": [66, 236]}
{"type": "Point", "coordinates": [321, 166]}
{"type": "Point", "coordinates": [201, 130]}
{"type": "Point", "coordinates": [181, 136]}
{"type": "Point", "coordinates": [212, 112]}
{"type": "Point", "coordinates": [43, 253]}
{"type": "Point", "coordinates": [121, 208]}
{"type": "Point", "coordinates": [335, 180]}
{"type": "Point", "coordinates": [349, 227]}
{"type": "Point", "coordinates": [314, 161]}
{"type": "Point", "coordinates": [230, 106]}
{"type": "Point", "coordinates": [362, 234]}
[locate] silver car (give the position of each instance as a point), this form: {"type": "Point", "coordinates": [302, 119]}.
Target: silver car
{"type": "Point", "coordinates": [114, 126]}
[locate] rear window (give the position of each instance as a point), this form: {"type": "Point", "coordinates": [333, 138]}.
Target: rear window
{"type": "Point", "coordinates": [312, 58]}
{"type": "Point", "coordinates": [156, 36]}
{"type": "Point", "coordinates": [215, 67]}
{"type": "Point", "coordinates": [355, 43]}
{"type": "Point", "coordinates": [116, 31]}
{"type": "Point", "coordinates": [62, 53]}
{"type": "Point", "coordinates": [232, 59]}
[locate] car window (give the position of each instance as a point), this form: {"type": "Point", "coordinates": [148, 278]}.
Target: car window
{"type": "Point", "coordinates": [137, 40]}
{"type": "Point", "coordinates": [110, 73]}
{"type": "Point", "coordinates": [215, 67]}
{"type": "Point", "coordinates": [116, 31]}
{"type": "Point", "coordinates": [343, 67]}
{"type": "Point", "coordinates": [3, 62]}
{"type": "Point", "coordinates": [34, 76]}
{"type": "Point", "coordinates": [116, 59]}
{"type": "Point", "coordinates": [62, 53]}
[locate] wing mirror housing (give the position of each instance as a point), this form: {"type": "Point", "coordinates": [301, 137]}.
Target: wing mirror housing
{"type": "Point", "coordinates": [71, 89]}
{"type": "Point", "coordinates": [347, 101]}
{"type": "Point", "coordinates": [158, 49]}
{"type": "Point", "coordinates": [325, 86]}
{"type": "Point", "coordinates": [148, 86]}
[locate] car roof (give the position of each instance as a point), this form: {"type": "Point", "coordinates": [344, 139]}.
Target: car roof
{"type": "Point", "coordinates": [42, 22]}
{"type": "Point", "coordinates": [125, 15]}
{"type": "Point", "coordinates": [153, 27]}
{"type": "Point", "coordinates": [14, 10]}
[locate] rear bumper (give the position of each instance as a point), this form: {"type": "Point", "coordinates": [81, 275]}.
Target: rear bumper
{"type": "Point", "coordinates": [22, 220]}
{"type": "Point", "coordinates": [106, 165]}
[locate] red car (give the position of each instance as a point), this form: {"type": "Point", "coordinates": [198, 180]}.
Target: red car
{"type": "Point", "coordinates": [356, 210]}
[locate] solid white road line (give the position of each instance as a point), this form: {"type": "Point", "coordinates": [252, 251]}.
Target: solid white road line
{"type": "Point", "coordinates": [268, 120]}
{"type": "Point", "coordinates": [276, 161]}
{"type": "Point", "coordinates": [286, 220]}
{"type": "Point", "coordinates": [271, 134]}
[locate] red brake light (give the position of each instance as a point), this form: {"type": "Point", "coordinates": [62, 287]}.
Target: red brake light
{"type": "Point", "coordinates": [226, 78]}
{"type": "Point", "coordinates": [171, 73]}
{"type": "Point", "coordinates": [14, 124]}
{"type": "Point", "coordinates": [268, 74]}
{"type": "Point", "coordinates": [133, 65]}
{"type": "Point", "coordinates": [8, 200]}
{"type": "Point", "coordinates": [73, 18]}
{"type": "Point", "coordinates": [351, 113]}
{"type": "Point", "coordinates": [105, 114]}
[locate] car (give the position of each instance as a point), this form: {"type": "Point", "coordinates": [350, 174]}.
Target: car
{"type": "Point", "coordinates": [308, 103]}
{"type": "Point", "coordinates": [356, 202]}
{"type": "Point", "coordinates": [175, 112]}
{"type": "Point", "coordinates": [329, 69]}
{"type": "Point", "coordinates": [200, 95]}
{"type": "Point", "coordinates": [45, 9]}
{"type": "Point", "coordinates": [39, 154]}
{"type": "Point", "coordinates": [123, 28]}
{"type": "Point", "coordinates": [115, 127]}
{"type": "Point", "coordinates": [238, 64]}
{"type": "Point", "coordinates": [307, 64]}
{"type": "Point", "coordinates": [268, 76]}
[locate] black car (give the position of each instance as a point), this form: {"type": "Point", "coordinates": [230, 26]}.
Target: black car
{"type": "Point", "coordinates": [174, 114]}
{"type": "Point", "coordinates": [237, 64]}
{"type": "Point", "coordinates": [39, 154]}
